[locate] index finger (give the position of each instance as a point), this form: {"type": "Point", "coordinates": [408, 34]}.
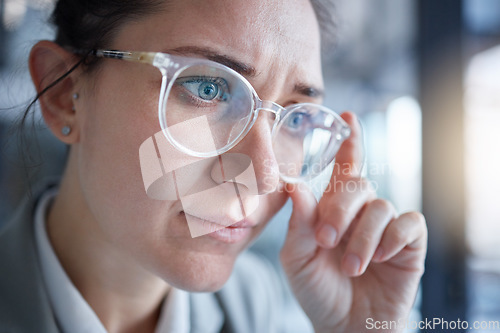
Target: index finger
{"type": "Point", "coordinates": [349, 159]}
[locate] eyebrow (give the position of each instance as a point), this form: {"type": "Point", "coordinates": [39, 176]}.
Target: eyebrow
{"type": "Point", "coordinates": [240, 67]}
{"type": "Point", "coordinates": [309, 91]}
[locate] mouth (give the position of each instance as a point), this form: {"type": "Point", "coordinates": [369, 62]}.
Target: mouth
{"type": "Point", "coordinates": [226, 230]}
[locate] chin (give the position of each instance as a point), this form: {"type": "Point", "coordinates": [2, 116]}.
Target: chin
{"type": "Point", "coordinates": [201, 273]}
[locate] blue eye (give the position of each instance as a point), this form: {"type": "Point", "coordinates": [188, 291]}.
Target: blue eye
{"type": "Point", "coordinates": [296, 120]}
{"type": "Point", "coordinates": [206, 88]}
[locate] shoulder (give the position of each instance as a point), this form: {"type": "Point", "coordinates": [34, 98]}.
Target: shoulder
{"type": "Point", "coordinates": [24, 304]}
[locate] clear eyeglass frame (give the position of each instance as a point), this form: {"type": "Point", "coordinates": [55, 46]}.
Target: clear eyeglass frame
{"type": "Point", "coordinates": [171, 66]}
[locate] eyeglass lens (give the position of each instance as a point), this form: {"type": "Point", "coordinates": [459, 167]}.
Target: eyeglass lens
{"type": "Point", "coordinates": [307, 140]}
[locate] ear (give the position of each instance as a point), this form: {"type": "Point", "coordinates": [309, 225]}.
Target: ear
{"type": "Point", "coordinates": [48, 62]}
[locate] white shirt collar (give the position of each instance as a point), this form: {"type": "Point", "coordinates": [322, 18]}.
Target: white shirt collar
{"type": "Point", "coordinates": [72, 312]}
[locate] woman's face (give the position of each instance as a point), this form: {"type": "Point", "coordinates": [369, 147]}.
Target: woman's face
{"type": "Point", "coordinates": [117, 111]}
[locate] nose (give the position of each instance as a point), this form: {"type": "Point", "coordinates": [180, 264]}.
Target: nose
{"type": "Point", "coordinates": [257, 145]}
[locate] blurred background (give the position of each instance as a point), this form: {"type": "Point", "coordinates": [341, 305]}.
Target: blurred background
{"type": "Point", "coordinates": [423, 76]}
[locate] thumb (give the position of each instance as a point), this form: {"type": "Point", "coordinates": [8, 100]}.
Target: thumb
{"type": "Point", "coordinates": [300, 243]}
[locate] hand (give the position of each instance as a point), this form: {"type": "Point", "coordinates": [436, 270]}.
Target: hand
{"type": "Point", "coordinates": [350, 257]}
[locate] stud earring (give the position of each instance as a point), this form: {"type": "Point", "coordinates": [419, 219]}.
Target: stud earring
{"type": "Point", "coordinates": [66, 130]}
{"type": "Point", "coordinates": [75, 96]}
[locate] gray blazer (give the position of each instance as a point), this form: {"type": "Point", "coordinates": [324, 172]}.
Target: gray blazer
{"type": "Point", "coordinates": [250, 301]}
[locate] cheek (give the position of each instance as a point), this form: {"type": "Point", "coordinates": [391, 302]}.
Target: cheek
{"type": "Point", "coordinates": [114, 126]}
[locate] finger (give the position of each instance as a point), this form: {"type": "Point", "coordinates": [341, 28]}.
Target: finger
{"type": "Point", "coordinates": [349, 158]}
{"type": "Point", "coordinates": [337, 212]}
{"type": "Point", "coordinates": [300, 244]}
{"type": "Point", "coordinates": [408, 230]}
{"type": "Point", "coordinates": [366, 236]}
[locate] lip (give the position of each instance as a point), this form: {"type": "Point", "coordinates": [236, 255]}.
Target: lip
{"type": "Point", "coordinates": [233, 233]}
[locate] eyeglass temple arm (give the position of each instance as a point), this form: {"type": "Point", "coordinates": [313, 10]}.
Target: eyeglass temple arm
{"type": "Point", "coordinates": [143, 57]}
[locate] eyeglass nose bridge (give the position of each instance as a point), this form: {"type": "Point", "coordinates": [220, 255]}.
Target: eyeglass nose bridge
{"type": "Point", "coordinates": [272, 107]}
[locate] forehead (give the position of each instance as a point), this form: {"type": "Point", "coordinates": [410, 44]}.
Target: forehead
{"type": "Point", "coordinates": [279, 34]}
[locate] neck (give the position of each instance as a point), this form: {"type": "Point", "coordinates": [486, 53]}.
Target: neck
{"type": "Point", "coordinates": [125, 296]}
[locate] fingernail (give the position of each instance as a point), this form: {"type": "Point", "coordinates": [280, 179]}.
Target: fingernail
{"type": "Point", "coordinates": [327, 236]}
{"type": "Point", "coordinates": [378, 254]}
{"type": "Point", "coordinates": [352, 264]}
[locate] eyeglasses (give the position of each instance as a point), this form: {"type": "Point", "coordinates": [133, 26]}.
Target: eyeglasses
{"type": "Point", "coordinates": [214, 98]}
